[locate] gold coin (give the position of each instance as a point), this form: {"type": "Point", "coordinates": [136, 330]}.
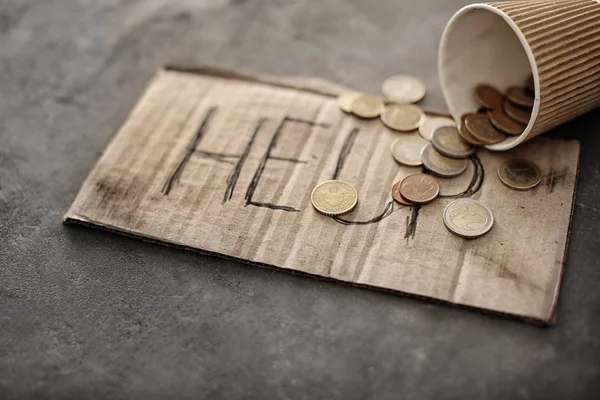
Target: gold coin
{"type": "Point", "coordinates": [403, 89]}
{"type": "Point", "coordinates": [448, 141]}
{"type": "Point", "coordinates": [441, 165]}
{"type": "Point", "coordinates": [334, 198]}
{"type": "Point", "coordinates": [407, 150]}
{"type": "Point", "coordinates": [468, 218]}
{"type": "Point", "coordinates": [367, 106]}
{"type": "Point", "coordinates": [431, 124]}
{"type": "Point", "coordinates": [402, 117]}
{"type": "Point", "coordinates": [346, 99]}
{"type": "Point", "coordinates": [520, 174]}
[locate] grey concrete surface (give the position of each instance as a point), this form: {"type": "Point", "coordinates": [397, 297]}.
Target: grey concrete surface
{"type": "Point", "coordinates": [87, 314]}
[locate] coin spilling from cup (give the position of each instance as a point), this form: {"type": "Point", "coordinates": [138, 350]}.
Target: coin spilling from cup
{"type": "Point", "coordinates": [441, 147]}
{"type": "Point", "coordinates": [502, 115]}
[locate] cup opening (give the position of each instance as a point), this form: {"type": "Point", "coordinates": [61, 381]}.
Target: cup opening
{"type": "Point", "coordinates": [482, 45]}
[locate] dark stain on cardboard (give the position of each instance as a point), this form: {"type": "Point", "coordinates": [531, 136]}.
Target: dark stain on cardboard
{"type": "Point", "coordinates": [505, 272]}
{"type": "Point", "coordinates": [120, 197]}
{"type": "Point", "coordinates": [554, 178]}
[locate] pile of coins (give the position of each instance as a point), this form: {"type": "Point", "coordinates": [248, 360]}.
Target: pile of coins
{"type": "Point", "coordinates": [499, 115]}
{"type": "Point", "coordinates": [336, 198]}
{"type": "Point", "coordinates": [398, 114]}
{"type": "Point", "coordinates": [442, 149]}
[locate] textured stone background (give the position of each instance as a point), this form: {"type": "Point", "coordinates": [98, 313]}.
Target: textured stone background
{"type": "Point", "coordinates": [87, 314]}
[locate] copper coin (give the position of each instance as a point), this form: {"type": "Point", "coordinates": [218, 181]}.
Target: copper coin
{"type": "Point", "coordinates": [488, 96]}
{"type": "Point", "coordinates": [517, 113]}
{"type": "Point", "coordinates": [520, 96]}
{"type": "Point", "coordinates": [466, 134]}
{"type": "Point", "coordinates": [398, 197]}
{"type": "Point", "coordinates": [419, 188]}
{"type": "Point", "coordinates": [504, 123]}
{"type": "Point", "coordinates": [482, 129]}
{"type": "Point", "coordinates": [530, 85]}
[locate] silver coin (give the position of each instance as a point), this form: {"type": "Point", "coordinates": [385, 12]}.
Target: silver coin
{"type": "Point", "coordinates": [448, 141]}
{"type": "Point", "coordinates": [431, 124]}
{"type": "Point", "coordinates": [441, 165]}
{"type": "Point", "coordinates": [407, 149]}
{"type": "Point", "coordinates": [468, 218]}
{"type": "Point", "coordinates": [403, 89]}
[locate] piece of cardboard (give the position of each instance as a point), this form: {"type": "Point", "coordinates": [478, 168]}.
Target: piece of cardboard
{"type": "Point", "coordinates": [225, 163]}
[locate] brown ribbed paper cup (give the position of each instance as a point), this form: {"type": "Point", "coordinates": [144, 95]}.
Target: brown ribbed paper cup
{"type": "Point", "coordinates": [503, 43]}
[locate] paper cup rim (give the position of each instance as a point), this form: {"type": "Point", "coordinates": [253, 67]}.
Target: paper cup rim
{"type": "Point", "coordinates": [534, 70]}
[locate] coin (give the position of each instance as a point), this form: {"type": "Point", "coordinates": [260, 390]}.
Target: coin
{"type": "Point", "coordinates": [431, 124]}
{"type": "Point", "coordinates": [517, 113]}
{"type": "Point", "coordinates": [520, 174]}
{"type": "Point", "coordinates": [407, 150]}
{"type": "Point", "coordinates": [520, 96]}
{"type": "Point", "coordinates": [345, 100]}
{"type": "Point", "coordinates": [403, 89]}
{"type": "Point", "coordinates": [402, 117]}
{"type": "Point", "coordinates": [419, 188]}
{"type": "Point", "coordinates": [367, 106]}
{"type": "Point", "coordinates": [334, 197]}
{"type": "Point", "coordinates": [447, 141]}
{"type": "Point", "coordinates": [482, 129]}
{"type": "Point", "coordinates": [398, 197]}
{"type": "Point", "coordinates": [442, 165]}
{"type": "Point", "coordinates": [468, 218]}
{"type": "Point", "coordinates": [466, 134]}
{"type": "Point", "coordinates": [488, 96]}
{"type": "Point", "coordinates": [504, 123]}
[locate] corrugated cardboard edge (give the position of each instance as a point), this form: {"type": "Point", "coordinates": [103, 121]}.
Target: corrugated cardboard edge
{"type": "Point", "coordinates": [79, 220]}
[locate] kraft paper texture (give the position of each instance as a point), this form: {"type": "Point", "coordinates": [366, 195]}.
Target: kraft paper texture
{"type": "Point", "coordinates": [224, 163]}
